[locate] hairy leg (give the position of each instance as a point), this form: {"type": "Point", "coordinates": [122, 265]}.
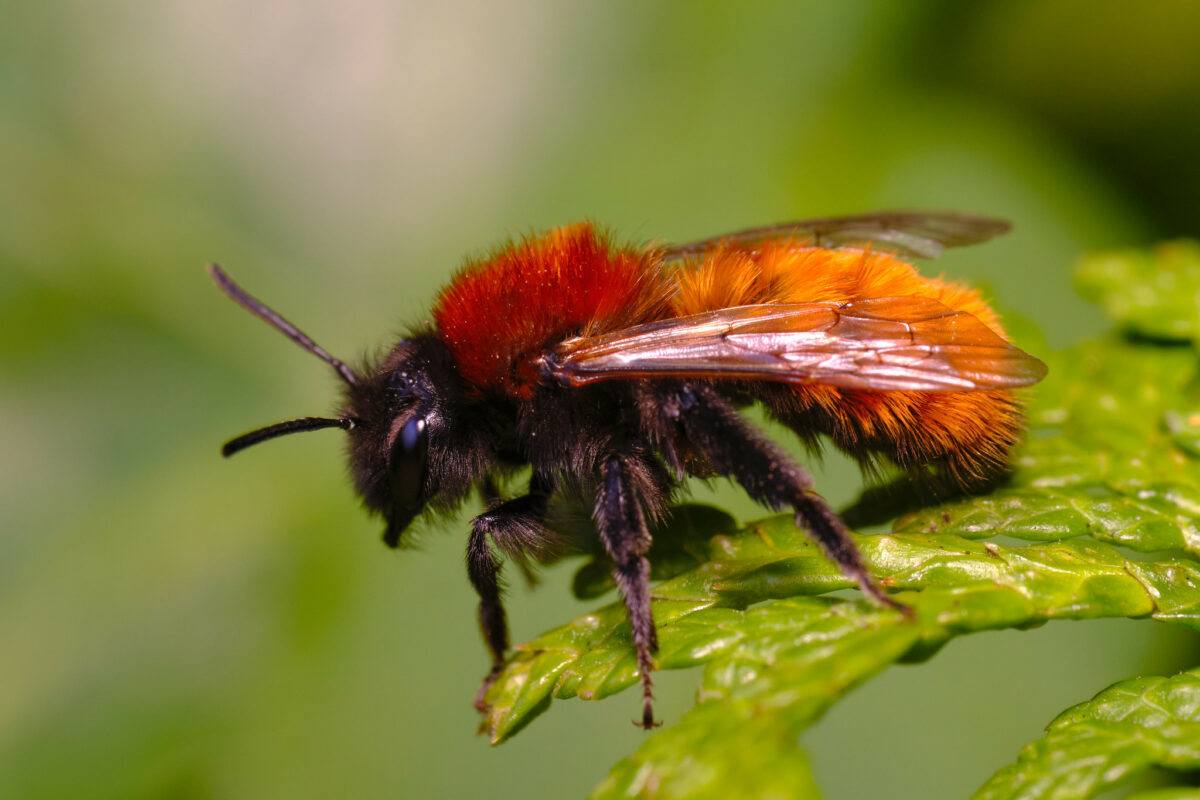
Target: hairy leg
{"type": "Point", "coordinates": [768, 474]}
{"type": "Point", "coordinates": [621, 522]}
{"type": "Point", "coordinates": [514, 527]}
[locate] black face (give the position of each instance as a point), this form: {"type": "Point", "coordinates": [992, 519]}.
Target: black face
{"type": "Point", "coordinates": [401, 412]}
{"type": "Point", "coordinates": [404, 451]}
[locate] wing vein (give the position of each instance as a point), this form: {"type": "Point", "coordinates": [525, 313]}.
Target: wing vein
{"type": "Point", "coordinates": [889, 344]}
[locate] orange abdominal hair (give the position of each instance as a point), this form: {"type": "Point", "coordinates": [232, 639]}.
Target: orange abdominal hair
{"type": "Point", "coordinates": [969, 434]}
{"type": "Point", "coordinates": [500, 314]}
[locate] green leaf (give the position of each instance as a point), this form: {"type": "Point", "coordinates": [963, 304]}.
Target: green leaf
{"type": "Point", "coordinates": [782, 663]}
{"type": "Point", "coordinates": [1122, 731]}
{"type": "Point", "coordinates": [794, 659]}
{"type": "Point", "coordinates": [1153, 293]}
{"type": "Point", "coordinates": [968, 585]}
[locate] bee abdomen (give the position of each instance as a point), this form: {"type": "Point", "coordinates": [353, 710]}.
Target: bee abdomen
{"type": "Point", "coordinates": [967, 436]}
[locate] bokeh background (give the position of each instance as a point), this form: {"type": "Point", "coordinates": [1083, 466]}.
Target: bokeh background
{"type": "Point", "coordinates": [177, 626]}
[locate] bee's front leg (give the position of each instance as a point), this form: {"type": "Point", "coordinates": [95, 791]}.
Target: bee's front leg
{"type": "Point", "coordinates": [514, 527]}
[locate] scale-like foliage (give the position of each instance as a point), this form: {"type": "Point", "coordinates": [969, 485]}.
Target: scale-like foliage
{"type": "Point", "coordinates": [1128, 727]}
{"type": "Point", "coordinates": [1111, 464]}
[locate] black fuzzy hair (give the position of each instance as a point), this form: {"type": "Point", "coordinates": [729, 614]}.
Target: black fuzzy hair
{"type": "Point", "coordinates": [417, 377]}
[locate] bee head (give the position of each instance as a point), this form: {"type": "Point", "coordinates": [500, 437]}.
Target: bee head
{"type": "Point", "coordinates": [391, 412]}
{"type": "Point", "coordinates": [399, 409]}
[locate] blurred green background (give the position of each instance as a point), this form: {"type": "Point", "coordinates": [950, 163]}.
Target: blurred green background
{"type": "Point", "coordinates": [177, 626]}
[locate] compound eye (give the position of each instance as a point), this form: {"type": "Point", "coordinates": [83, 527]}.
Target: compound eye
{"type": "Point", "coordinates": [406, 465]}
{"type": "Point", "coordinates": [412, 435]}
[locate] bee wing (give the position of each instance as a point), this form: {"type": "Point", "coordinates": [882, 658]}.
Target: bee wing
{"type": "Point", "coordinates": [890, 343]}
{"type": "Point", "coordinates": [913, 234]}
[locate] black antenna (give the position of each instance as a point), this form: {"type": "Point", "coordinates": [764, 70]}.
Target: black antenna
{"type": "Point", "coordinates": [258, 309]}
{"type": "Point", "coordinates": [282, 429]}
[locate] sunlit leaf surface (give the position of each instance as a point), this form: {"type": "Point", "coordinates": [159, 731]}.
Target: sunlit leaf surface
{"type": "Point", "coordinates": [1120, 732]}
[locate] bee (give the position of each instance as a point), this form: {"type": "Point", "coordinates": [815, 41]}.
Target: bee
{"type": "Point", "coordinates": [617, 370]}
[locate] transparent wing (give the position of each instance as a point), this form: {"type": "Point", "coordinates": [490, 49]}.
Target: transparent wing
{"type": "Point", "coordinates": [891, 343]}
{"type": "Point", "coordinates": [913, 234]}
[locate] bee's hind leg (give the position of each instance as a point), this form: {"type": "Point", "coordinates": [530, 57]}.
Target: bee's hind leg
{"type": "Point", "coordinates": [736, 448]}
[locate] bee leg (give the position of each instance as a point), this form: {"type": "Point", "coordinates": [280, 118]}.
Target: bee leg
{"type": "Point", "coordinates": [768, 474]}
{"type": "Point", "coordinates": [484, 570]}
{"type": "Point", "coordinates": [621, 524]}
{"type": "Point", "coordinates": [509, 526]}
